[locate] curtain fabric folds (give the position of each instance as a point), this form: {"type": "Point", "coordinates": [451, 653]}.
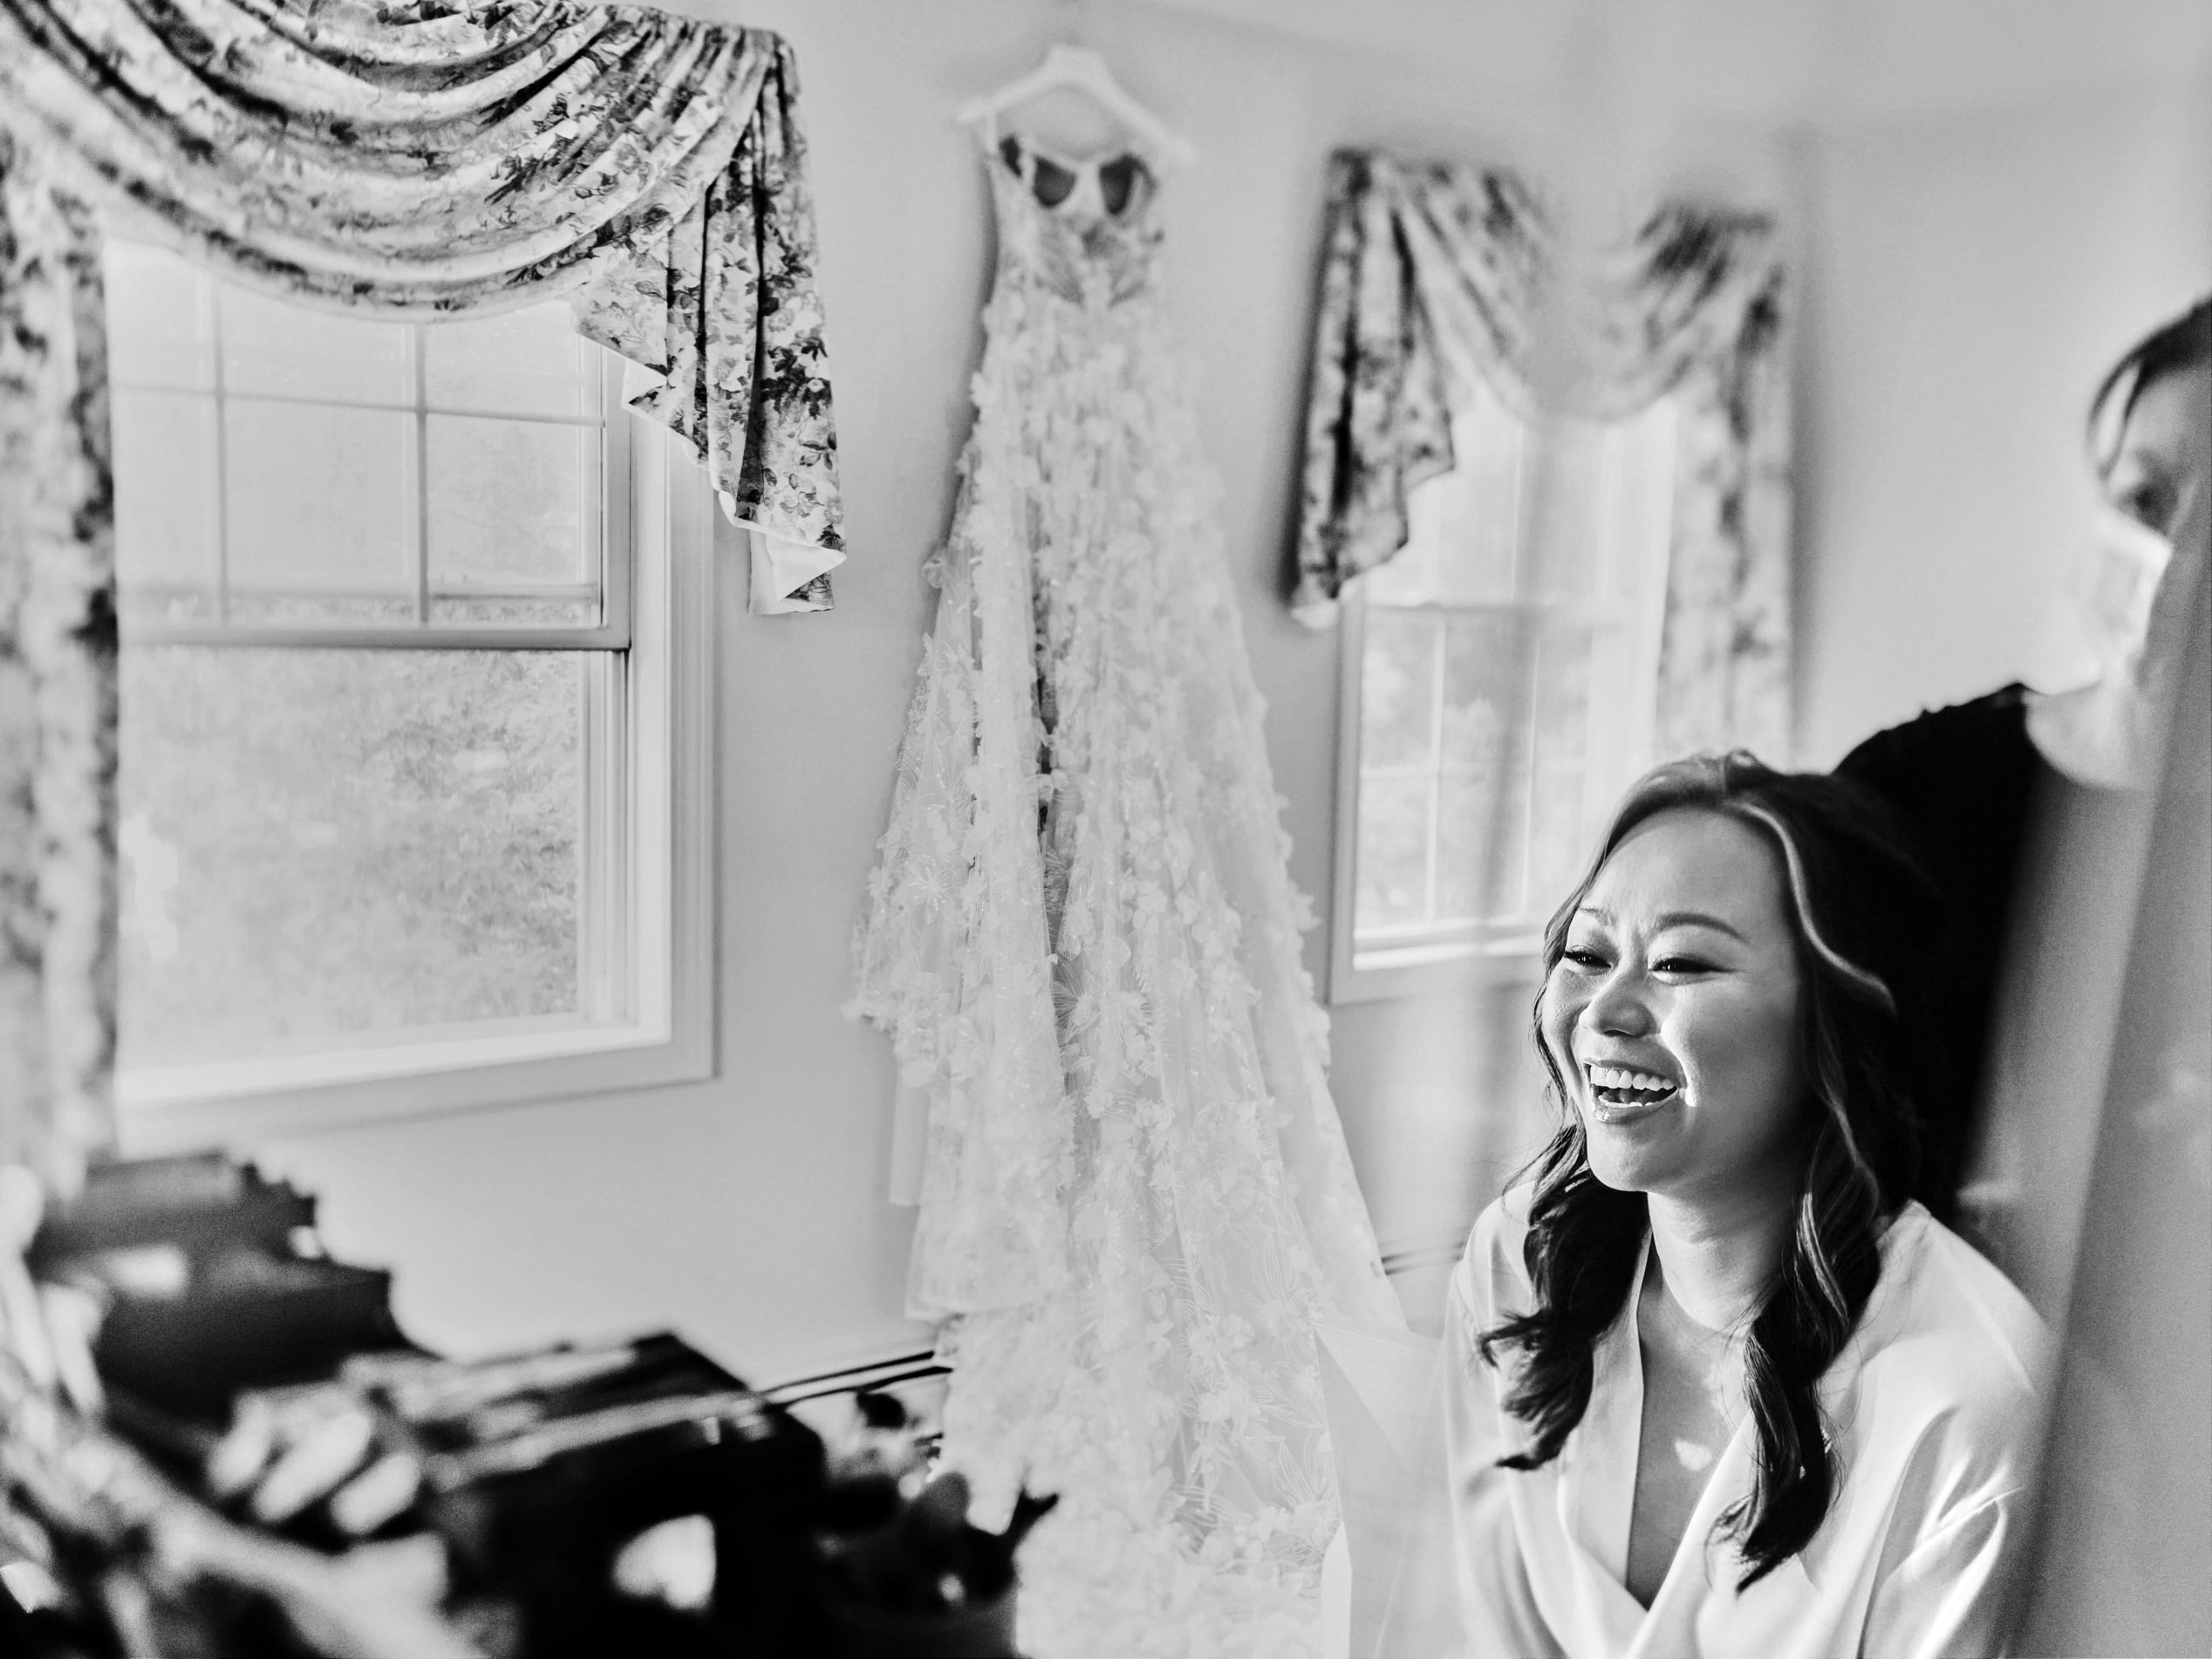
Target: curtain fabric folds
{"type": "Point", "coordinates": [421, 159]}
{"type": "Point", "coordinates": [413, 158]}
{"type": "Point", "coordinates": [56, 682]}
{"type": "Point", "coordinates": [1439, 277]}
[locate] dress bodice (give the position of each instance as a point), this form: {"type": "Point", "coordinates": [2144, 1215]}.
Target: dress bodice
{"type": "Point", "coordinates": [1082, 230]}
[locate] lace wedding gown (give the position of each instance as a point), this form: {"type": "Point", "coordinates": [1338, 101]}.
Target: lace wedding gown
{"type": "Point", "coordinates": [1083, 939]}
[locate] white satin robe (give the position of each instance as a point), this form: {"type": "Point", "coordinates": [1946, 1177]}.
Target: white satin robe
{"type": "Point", "coordinates": [1935, 1406]}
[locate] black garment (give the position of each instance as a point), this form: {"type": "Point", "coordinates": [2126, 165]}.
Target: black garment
{"type": "Point", "coordinates": [1963, 780]}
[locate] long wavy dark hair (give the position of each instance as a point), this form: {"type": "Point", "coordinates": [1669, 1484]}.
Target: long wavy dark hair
{"type": "Point", "coordinates": [1863, 915]}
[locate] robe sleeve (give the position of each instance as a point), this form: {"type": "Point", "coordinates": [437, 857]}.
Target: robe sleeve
{"type": "Point", "coordinates": [1463, 1587]}
{"type": "Point", "coordinates": [1953, 1594]}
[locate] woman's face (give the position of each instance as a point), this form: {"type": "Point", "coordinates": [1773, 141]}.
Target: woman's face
{"type": "Point", "coordinates": [2160, 476]}
{"type": "Point", "coordinates": [1672, 1016]}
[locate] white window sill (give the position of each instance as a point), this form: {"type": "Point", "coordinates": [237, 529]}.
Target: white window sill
{"type": "Point", "coordinates": [175, 1108]}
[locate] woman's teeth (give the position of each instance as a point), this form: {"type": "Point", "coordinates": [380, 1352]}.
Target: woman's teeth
{"type": "Point", "coordinates": [1624, 1086]}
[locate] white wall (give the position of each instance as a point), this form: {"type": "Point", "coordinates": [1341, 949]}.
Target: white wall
{"type": "Point", "coordinates": [1972, 277]}
{"type": "Point", "coordinates": [747, 1211]}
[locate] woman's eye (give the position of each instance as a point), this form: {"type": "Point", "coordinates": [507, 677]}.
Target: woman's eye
{"type": "Point", "coordinates": [1585, 958]}
{"type": "Point", "coordinates": [1682, 965]}
{"type": "Point", "coordinates": [2147, 505]}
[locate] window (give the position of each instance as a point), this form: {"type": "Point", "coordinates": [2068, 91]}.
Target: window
{"type": "Point", "coordinates": [412, 773]}
{"type": "Point", "coordinates": [1499, 677]}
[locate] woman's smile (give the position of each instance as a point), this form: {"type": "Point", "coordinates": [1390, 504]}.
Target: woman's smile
{"type": "Point", "coordinates": [1621, 1093]}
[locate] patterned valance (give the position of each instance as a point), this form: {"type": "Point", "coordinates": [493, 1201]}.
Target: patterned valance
{"type": "Point", "coordinates": [420, 158]}
{"type": "Point", "coordinates": [1439, 277]}
{"type": "Point", "coordinates": [409, 159]}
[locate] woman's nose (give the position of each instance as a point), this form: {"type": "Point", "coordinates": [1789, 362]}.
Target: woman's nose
{"type": "Point", "coordinates": [1618, 1007]}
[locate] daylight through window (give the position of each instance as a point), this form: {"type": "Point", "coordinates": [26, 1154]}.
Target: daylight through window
{"type": "Point", "coordinates": [1499, 683]}
{"type": "Point", "coordinates": [375, 584]}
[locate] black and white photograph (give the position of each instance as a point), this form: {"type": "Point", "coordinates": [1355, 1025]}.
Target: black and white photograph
{"type": "Point", "coordinates": [1105, 828]}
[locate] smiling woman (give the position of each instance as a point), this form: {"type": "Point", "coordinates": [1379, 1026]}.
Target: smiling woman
{"type": "Point", "coordinates": [1653, 1005]}
{"type": "Point", "coordinates": [1715, 1383]}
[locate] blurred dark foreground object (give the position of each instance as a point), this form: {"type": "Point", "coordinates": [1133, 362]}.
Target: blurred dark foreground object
{"type": "Point", "coordinates": [275, 1472]}
{"type": "Point", "coordinates": [907, 1578]}
{"type": "Point", "coordinates": [210, 1280]}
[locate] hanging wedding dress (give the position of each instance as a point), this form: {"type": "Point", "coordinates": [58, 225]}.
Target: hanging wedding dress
{"type": "Point", "coordinates": [1135, 1195]}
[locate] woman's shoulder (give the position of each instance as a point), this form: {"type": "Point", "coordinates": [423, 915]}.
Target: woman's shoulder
{"type": "Point", "coordinates": [1941, 738]}
{"type": "Point", "coordinates": [1954, 1325]}
{"type": "Point", "coordinates": [1972, 757]}
{"type": "Point", "coordinates": [1945, 1405]}
{"type": "Point", "coordinates": [1492, 1271]}
{"type": "Point", "coordinates": [1503, 1226]}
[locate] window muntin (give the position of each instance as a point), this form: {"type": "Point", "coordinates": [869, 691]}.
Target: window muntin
{"type": "Point", "coordinates": [1499, 683]}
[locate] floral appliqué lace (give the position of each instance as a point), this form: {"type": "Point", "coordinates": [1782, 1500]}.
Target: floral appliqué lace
{"type": "Point", "coordinates": [1083, 939]}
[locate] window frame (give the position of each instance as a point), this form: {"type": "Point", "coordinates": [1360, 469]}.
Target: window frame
{"type": "Point", "coordinates": [659, 720]}
{"type": "Point", "coordinates": [1476, 954]}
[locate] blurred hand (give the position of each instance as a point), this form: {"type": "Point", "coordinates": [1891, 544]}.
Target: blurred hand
{"type": "Point", "coordinates": [377, 1601]}
{"type": "Point", "coordinates": [46, 1331]}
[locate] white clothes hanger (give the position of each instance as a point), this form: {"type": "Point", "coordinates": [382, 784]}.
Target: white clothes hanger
{"type": "Point", "coordinates": [1081, 70]}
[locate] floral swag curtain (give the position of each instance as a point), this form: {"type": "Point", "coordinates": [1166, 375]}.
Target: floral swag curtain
{"type": "Point", "coordinates": [1435, 278]}
{"type": "Point", "coordinates": [57, 684]}
{"type": "Point", "coordinates": [410, 158]}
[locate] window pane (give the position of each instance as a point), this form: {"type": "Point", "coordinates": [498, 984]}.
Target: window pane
{"type": "Point", "coordinates": [1642, 453]}
{"type": "Point", "coordinates": [1484, 658]}
{"type": "Point", "coordinates": [1474, 513]}
{"type": "Point", "coordinates": [531, 362]}
{"type": "Point", "coordinates": [512, 502]}
{"type": "Point", "coordinates": [320, 844]}
{"type": "Point", "coordinates": [160, 319]}
{"type": "Point", "coordinates": [1481, 845]}
{"type": "Point", "coordinates": [1393, 852]}
{"type": "Point", "coordinates": [1484, 754]}
{"type": "Point", "coordinates": [1462, 527]}
{"type": "Point", "coordinates": [277, 348]}
{"type": "Point", "coordinates": [165, 506]}
{"type": "Point", "coordinates": [1559, 834]}
{"type": "Point", "coordinates": [319, 497]}
{"type": "Point", "coordinates": [1574, 495]}
{"type": "Point", "coordinates": [1397, 689]}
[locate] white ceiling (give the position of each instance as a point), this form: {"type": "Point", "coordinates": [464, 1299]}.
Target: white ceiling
{"type": "Point", "coordinates": [1811, 60]}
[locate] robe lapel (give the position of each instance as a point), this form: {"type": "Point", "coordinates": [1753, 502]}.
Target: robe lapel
{"type": "Point", "coordinates": [1698, 1609]}
{"type": "Point", "coordinates": [1597, 1482]}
